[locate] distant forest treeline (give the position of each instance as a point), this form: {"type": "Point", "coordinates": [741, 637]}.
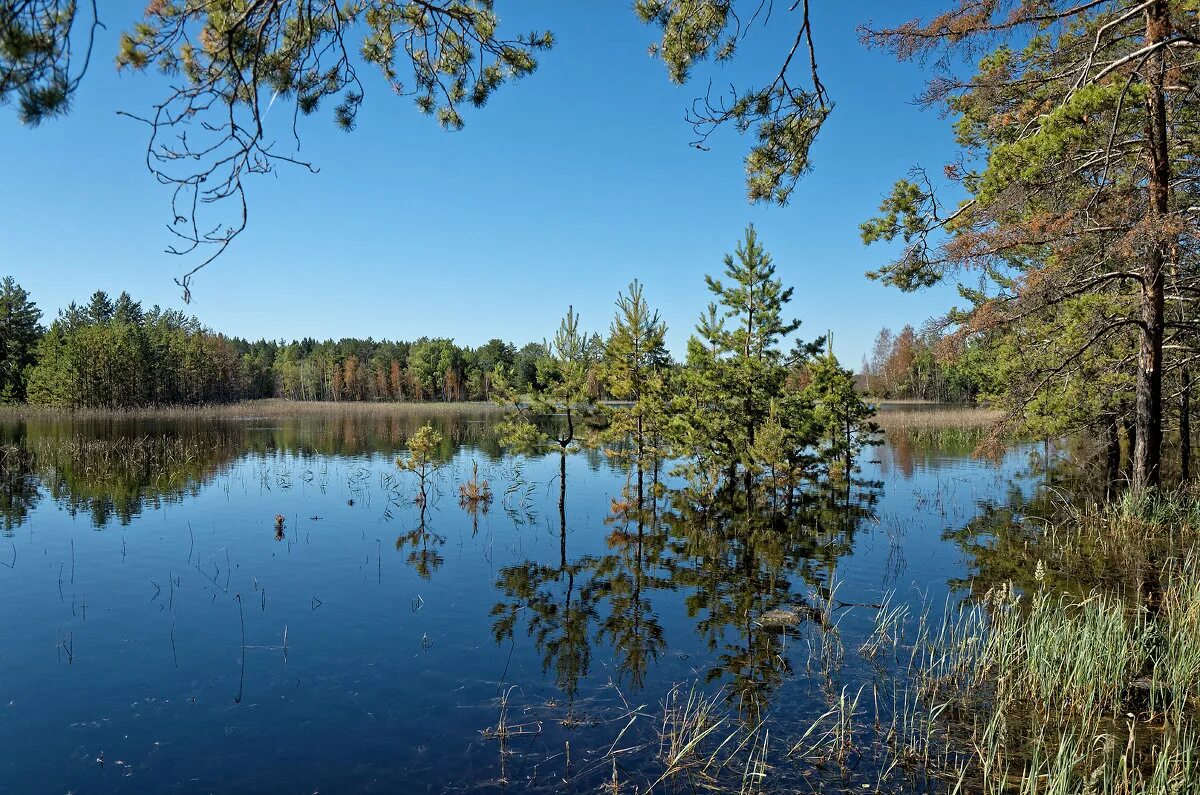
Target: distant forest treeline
{"type": "Point", "coordinates": [929, 365]}
{"type": "Point", "coordinates": [114, 353]}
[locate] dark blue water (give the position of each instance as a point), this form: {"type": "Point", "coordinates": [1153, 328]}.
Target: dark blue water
{"type": "Point", "coordinates": [160, 634]}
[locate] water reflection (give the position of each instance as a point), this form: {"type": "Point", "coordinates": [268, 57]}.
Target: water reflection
{"type": "Point", "coordinates": [741, 567]}
{"type": "Point", "coordinates": [565, 580]}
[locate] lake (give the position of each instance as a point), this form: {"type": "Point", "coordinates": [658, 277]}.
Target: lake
{"type": "Point", "coordinates": [163, 631]}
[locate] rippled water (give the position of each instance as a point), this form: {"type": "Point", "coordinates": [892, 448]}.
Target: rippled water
{"type": "Point", "coordinates": [160, 634]}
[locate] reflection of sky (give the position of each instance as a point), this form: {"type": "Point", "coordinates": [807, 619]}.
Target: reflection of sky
{"type": "Point", "coordinates": [389, 677]}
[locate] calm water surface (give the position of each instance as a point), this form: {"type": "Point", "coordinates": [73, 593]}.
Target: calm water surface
{"type": "Point", "coordinates": [159, 634]}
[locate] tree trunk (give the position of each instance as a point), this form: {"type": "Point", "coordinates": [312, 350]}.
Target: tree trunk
{"type": "Point", "coordinates": [562, 505]}
{"type": "Point", "coordinates": [1112, 457]}
{"type": "Point", "coordinates": [1185, 425]}
{"type": "Point", "coordinates": [1148, 412]}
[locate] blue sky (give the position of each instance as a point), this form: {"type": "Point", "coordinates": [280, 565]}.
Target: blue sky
{"type": "Point", "coordinates": [566, 186]}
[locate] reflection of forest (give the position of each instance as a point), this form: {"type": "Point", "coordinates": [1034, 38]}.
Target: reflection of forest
{"type": "Point", "coordinates": [908, 450]}
{"type": "Point", "coordinates": [1011, 539]}
{"type": "Point", "coordinates": [349, 434]}
{"type": "Point", "coordinates": [19, 491]}
{"type": "Point", "coordinates": [113, 468]}
{"type": "Point", "coordinates": [107, 478]}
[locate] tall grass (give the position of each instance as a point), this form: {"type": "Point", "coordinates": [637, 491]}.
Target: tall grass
{"type": "Point", "coordinates": [895, 420]}
{"type": "Point", "coordinates": [1048, 691]}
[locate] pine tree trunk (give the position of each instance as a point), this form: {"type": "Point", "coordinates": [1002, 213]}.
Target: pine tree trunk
{"type": "Point", "coordinates": [1148, 411]}
{"type": "Point", "coordinates": [1112, 463]}
{"type": "Point", "coordinates": [1185, 425]}
{"type": "Point", "coordinates": [562, 505]}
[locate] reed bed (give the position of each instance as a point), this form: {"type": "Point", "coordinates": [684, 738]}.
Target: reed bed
{"type": "Point", "coordinates": [972, 418]}
{"type": "Point", "coordinates": [1042, 690]}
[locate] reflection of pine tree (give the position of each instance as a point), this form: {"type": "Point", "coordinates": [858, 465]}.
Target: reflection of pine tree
{"type": "Point", "coordinates": [738, 565]}
{"type": "Point", "coordinates": [19, 492]}
{"type": "Point", "coordinates": [627, 576]}
{"type": "Point", "coordinates": [559, 603]}
{"type": "Point", "coordinates": [424, 547]}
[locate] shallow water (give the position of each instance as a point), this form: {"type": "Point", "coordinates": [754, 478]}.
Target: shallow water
{"type": "Point", "coordinates": [159, 633]}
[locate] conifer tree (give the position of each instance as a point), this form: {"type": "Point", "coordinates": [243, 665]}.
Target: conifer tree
{"type": "Point", "coordinates": [842, 415]}
{"type": "Point", "coordinates": [1083, 127]}
{"type": "Point", "coordinates": [100, 308]}
{"type": "Point", "coordinates": [212, 129]}
{"type": "Point", "coordinates": [41, 61]}
{"type": "Point", "coordinates": [636, 370]}
{"type": "Point", "coordinates": [19, 334]}
{"type": "Point", "coordinates": [736, 366]}
{"type": "Point", "coordinates": [422, 456]}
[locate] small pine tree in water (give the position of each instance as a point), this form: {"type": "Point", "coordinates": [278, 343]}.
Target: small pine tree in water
{"type": "Point", "coordinates": [475, 493]}
{"type": "Point", "coordinates": [421, 460]}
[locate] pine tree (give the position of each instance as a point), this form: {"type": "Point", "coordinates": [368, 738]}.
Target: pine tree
{"type": "Point", "coordinates": [842, 415]}
{"type": "Point", "coordinates": [636, 369]}
{"type": "Point", "coordinates": [1081, 185]}
{"type": "Point", "coordinates": [736, 366]}
{"type": "Point", "coordinates": [19, 334]}
{"type": "Point", "coordinates": [554, 406]}
{"type": "Point", "coordinates": [100, 308]}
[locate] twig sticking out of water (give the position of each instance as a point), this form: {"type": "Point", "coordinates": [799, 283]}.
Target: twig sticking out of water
{"type": "Point", "coordinates": [242, 679]}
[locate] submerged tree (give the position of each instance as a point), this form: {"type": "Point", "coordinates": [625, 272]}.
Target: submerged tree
{"type": "Point", "coordinates": [1077, 132]}
{"type": "Point", "coordinates": [842, 415]}
{"type": "Point", "coordinates": [556, 404]}
{"type": "Point", "coordinates": [636, 371]}
{"type": "Point", "coordinates": [422, 458]}
{"type": "Point", "coordinates": [736, 367]}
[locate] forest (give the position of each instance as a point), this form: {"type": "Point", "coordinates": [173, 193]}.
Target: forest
{"type": "Point", "coordinates": [112, 353]}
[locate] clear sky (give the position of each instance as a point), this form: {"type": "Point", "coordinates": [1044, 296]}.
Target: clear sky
{"type": "Point", "coordinates": [566, 186]}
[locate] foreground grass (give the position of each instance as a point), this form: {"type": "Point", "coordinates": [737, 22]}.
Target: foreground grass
{"type": "Point", "coordinates": [1086, 680]}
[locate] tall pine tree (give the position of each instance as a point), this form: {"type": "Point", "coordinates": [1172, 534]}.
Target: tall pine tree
{"type": "Point", "coordinates": [19, 333]}
{"type": "Point", "coordinates": [636, 369]}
